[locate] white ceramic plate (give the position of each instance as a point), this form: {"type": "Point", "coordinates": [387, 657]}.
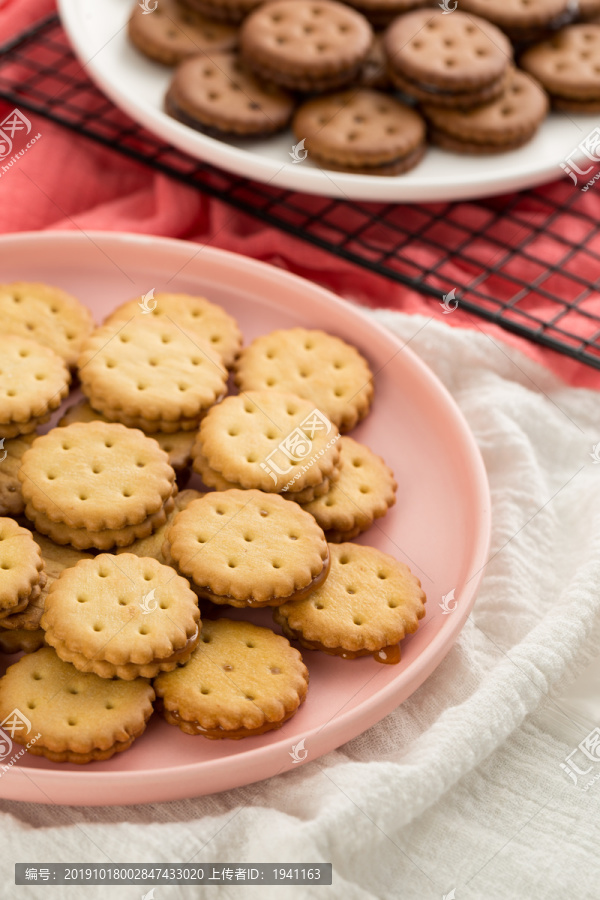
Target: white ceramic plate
{"type": "Point", "coordinates": [97, 31]}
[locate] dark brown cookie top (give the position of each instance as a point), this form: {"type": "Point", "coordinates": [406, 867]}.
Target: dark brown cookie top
{"type": "Point", "coordinates": [518, 112]}
{"type": "Point", "coordinates": [219, 93]}
{"type": "Point", "coordinates": [301, 37]}
{"type": "Point", "coordinates": [517, 13]}
{"type": "Point", "coordinates": [223, 10]}
{"type": "Point", "coordinates": [359, 127]}
{"type": "Point", "coordinates": [173, 32]}
{"type": "Point", "coordinates": [568, 64]}
{"type": "Point", "coordinates": [454, 52]}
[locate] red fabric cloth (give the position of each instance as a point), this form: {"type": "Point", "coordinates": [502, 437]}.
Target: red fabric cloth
{"type": "Point", "coordinates": [68, 182]}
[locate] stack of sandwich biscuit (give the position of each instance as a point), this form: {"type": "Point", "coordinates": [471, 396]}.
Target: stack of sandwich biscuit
{"type": "Point", "coordinates": [22, 583]}
{"type": "Point", "coordinates": [148, 372]}
{"type": "Point", "coordinates": [96, 485]}
{"type": "Point", "coordinates": [97, 627]}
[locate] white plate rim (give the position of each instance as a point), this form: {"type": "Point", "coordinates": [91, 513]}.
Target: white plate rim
{"type": "Point", "coordinates": [412, 188]}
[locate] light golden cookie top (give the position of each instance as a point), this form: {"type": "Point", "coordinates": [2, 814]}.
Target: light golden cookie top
{"type": "Point", "coordinates": [20, 563]}
{"type": "Point", "coordinates": [45, 314]}
{"type": "Point", "coordinates": [33, 379]}
{"type": "Point", "coordinates": [364, 491]}
{"type": "Point", "coordinates": [369, 601]}
{"type": "Point", "coordinates": [196, 316]}
{"type": "Point", "coordinates": [247, 545]}
{"type": "Point", "coordinates": [268, 440]}
{"type": "Point", "coordinates": [314, 365]}
{"type": "Point", "coordinates": [96, 476]}
{"type": "Point", "coordinates": [152, 545]}
{"type": "Point", "coordinates": [177, 445]}
{"type": "Point", "coordinates": [240, 675]}
{"type": "Point", "coordinates": [122, 609]}
{"type": "Point", "coordinates": [73, 710]}
{"type": "Point", "coordinates": [150, 368]}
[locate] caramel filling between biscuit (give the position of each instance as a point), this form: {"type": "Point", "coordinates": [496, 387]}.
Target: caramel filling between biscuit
{"type": "Point", "coordinates": [301, 594]}
{"type": "Point", "coordinates": [388, 656]}
{"type": "Point", "coordinates": [233, 733]}
{"type": "Point", "coordinates": [176, 656]}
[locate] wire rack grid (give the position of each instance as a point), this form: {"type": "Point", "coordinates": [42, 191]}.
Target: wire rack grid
{"type": "Point", "coordinates": [527, 261]}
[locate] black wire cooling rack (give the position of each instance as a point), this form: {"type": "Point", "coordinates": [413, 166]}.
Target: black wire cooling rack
{"type": "Point", "coordinates": [527, 261]}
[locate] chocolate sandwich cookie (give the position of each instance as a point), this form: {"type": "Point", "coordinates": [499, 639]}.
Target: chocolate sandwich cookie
{"type": "Point", "coordinates": [223, 10]}
{"type": "Point", "coordinates": [305, 45]}
{"type": "Point", "coordinates": [507, 123]}
{"type": "Point", "coordinates": [524, 21]}
{"type": "Point", "coordinates": [174, 32]}
{"type": "Point", "coordinates": [361, 131]}
{"type": "Point", "coordinates": [458, 60]}
{"type": "Point", "coordinates": [568, 67]}
{"type": "Point", "coordinates": [219, 96]}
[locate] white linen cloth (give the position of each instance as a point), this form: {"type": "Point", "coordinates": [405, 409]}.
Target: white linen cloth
{"type": "Point", "coordinates": [460, 789]}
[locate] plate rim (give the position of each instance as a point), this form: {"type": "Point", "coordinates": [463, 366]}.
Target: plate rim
{"type": "Point", "coordinates": [328, 183]}
{"type": "Point", "coordinates": [391, 695]}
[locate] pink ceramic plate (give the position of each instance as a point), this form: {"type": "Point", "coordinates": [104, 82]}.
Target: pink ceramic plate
{"type": "Point", "coordinates": [440, 525]}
